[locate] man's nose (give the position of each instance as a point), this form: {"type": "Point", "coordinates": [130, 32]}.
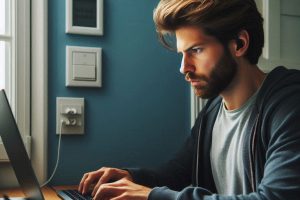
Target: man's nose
{"type": "Point", "coordinates": [186, 65]}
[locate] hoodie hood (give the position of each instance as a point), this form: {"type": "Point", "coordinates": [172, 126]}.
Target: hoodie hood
{"type": "Point", "coordinates": [277, 81]}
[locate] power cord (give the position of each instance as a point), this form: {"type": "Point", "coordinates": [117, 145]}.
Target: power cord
{"type": "Point", "coordinates": [58, 154]}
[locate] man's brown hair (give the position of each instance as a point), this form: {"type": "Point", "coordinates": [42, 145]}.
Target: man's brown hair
{"type": "Point", "coordinates": [223, 19]}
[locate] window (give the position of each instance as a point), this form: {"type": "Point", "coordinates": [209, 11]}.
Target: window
{"type": "Point", "coordinates": [15, 62]}
{"type": "Point", "coordinates": [3, 43]}
{"type": "Point", "coordinates": [2, 63]}
{"type": "Point", "coordinates": [282, 22]}
{"type": "Point", "coordinates": [38, 79]}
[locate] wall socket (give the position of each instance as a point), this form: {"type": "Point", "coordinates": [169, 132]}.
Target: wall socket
{"type": "Point", "coordinates": [69, 116]}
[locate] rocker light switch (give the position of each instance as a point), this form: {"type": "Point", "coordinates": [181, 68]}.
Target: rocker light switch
{"type": "Point", "coordinates": [83, 66]}
{"type": "Point", "coordinates": [84, 73]}
{"type": "Point", "coordinates": [84, 58]}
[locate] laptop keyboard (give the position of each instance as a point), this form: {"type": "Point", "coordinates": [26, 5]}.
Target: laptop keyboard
{"type": "Point", "coordinates": [75, 195]}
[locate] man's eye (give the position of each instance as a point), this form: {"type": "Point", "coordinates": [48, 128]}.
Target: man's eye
{"type": "Point", "coordinates": [196, 50]}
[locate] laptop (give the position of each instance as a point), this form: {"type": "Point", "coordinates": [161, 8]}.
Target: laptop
{"type": "Point", "coordinates": [19, 159]}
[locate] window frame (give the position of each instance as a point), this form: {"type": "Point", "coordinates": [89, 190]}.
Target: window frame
{"type": "Point", "coordinates": [18, 73]}
{"type": "Point", "coordinates": [38, 95]}
{"type": "Point", "coordinates": [39, 87]}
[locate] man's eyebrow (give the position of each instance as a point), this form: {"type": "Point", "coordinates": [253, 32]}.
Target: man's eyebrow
{"type": "Point", "coordinates": [191, 47]}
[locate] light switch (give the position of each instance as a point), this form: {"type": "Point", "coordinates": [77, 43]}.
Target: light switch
{"type": "Point", "coordinates": [84, 58]}
{"type": "Point", "coordinates": [83, 66]}
{"type": "Point", "coordinates": [84, 73]}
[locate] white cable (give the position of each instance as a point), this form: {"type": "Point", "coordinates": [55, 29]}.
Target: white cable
{"type": "Point", "coordinates": [57, 158]}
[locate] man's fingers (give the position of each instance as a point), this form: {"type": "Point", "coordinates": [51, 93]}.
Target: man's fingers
{"type": "Point", "coordinates": [110, 174]}
{"type": "Point", "coordinates": [88, 179]}
{"type": "Point", "coordinates": [122, 189]}
{"type": "Point", "coordinates": [103, 179]}
{"type": "Point", "coordinates": [111, 190]}
{"type": "Point", "coordinates": [121, 197]}
{"type": "Point", "coordinates": [101, 176]}
{"type": "Point", "coordinates": [86, 184]}
{"type": "Point", "coordinates": [106, 191]}
{"type": "Point", "coordinates": [80, 188]}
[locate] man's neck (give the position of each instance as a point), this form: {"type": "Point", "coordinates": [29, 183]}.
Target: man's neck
{"type": "Point", "coordinates": [247, 81]}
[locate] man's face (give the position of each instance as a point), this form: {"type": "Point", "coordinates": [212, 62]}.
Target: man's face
{"type": "Point", "coordinates": [206, 64]}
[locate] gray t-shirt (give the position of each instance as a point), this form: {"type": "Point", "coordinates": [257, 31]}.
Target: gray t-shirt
{"type": "Point", "coordinates": [226, 154]}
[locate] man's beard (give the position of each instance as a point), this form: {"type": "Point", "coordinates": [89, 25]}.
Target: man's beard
{"type": "Point", "coordinates": [219, 79]}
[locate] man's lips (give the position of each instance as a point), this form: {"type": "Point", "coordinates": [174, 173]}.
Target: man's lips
{"type": "Point", "coordinates": [197, 83]}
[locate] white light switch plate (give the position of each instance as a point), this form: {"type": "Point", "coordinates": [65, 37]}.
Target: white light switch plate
{"type": "Point", "coordinates": [89, 57]}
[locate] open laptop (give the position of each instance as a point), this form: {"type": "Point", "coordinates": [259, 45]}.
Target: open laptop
{"type": "Point", "coordinates": [19, 159]}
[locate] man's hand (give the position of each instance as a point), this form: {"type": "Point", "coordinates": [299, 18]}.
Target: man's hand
{"type": "Point", "coordinates": [100, 177]}
{"type": "Point", "coordinates": [122, 189]}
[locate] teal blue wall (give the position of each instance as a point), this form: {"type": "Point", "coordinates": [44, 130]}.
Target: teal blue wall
{"type": "Point", "coordinates": [141, 114]}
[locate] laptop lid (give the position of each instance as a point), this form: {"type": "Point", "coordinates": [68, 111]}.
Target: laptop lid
{"type": "Point", "coordinates": [16, 151]}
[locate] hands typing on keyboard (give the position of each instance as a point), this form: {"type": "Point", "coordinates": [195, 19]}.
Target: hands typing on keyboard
{"type": "Point", "coordinates": [110, 183]}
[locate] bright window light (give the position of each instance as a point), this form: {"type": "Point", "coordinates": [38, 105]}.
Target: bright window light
{"type": "Point", "coordinates": [3, 24]}
{"type": "Point", "coordinates": [2, 65]}
{"type": "Point", "coordinates": [2, 17]}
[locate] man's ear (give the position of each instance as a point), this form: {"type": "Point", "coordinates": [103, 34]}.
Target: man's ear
{"type": "Point", "coordinates": [241, 43]}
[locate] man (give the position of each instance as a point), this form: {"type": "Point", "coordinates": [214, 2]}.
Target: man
{"type": "Point", "coordinates": [245, 143]}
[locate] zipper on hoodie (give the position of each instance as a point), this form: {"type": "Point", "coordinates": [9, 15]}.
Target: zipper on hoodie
{"type": "Point", "coordinates": [252, 154]}
{"type": "Point", "coordinates": [198, 146]}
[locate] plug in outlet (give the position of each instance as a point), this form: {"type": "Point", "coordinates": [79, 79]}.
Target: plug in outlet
{"type": "Point", "coordinates": [69, 115]}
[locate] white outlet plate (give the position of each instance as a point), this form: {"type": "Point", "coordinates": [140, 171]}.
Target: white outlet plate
{"type": "Point", "coordinates": [68, 110]}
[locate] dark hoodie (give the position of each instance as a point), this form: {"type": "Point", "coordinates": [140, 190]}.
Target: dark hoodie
{"type": "Point", "coordinates": [271, 150]}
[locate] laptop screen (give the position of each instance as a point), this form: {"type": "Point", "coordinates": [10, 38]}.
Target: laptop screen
{"type": "Point", "coordinates": [16, 151]}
